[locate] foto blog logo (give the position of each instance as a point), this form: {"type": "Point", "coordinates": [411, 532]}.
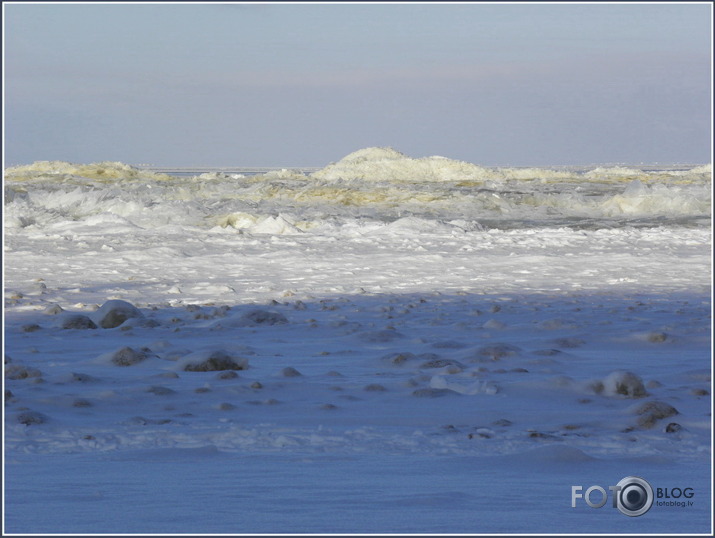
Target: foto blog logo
{"type": "Point", "coordinates": [633, 496]}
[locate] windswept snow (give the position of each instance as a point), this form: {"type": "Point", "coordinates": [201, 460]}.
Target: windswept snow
{"type": "Point", "coordinates": [388, 345]}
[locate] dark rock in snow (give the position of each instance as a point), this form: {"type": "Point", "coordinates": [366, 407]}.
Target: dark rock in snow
{"type": "Point", "coordinates": [53, 310]}
{"type": "Point", "coordinates": [673, 427]}
{"type": "Point", "coordinates": [29, 418]}
{"type": "Point", "coordinates": [651, 412]}
{"type": "Point", "coordinates": [115, 312]}
{"type": "Point", "coordinates": [290, 372]}
{"type": "Point", "coordinates": [83, 378]}
{"type": "Point", "coordinates": [263, 317]}
{"type": "Point", "coordinates": [657, 337]}
{"type": "Point", "coordinates": [381, 337]}
{"type": "Point", "coordinates": [18, 371]}
{"type": "Point", "coordinates": [496, 352]}
{"type": "Point", "coordinates": [398, 359]}
{"type": "Point", "coordinates": [441, 363]}
{"type": "Point", "coordinates": [127, 356]}
{"type": "Point", "coordinates": [213, 361]}
{"type": "Point", "coordinates": [624, 383]}
{"type": "Point", "coordinates": [77, 321]}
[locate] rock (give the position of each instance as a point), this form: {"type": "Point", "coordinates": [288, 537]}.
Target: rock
{"type": "Point", "coordinates": [211, 361]}
{"type": "Point", "coordinates": [496, 352]}
{"type": "Point", "coordinates": [651, 412]}
{"type": "Point", "coordinates": [673, 427]}
{"type": "Point", "coordinates": [290, 372]}
{"type": "Point", "coordinates": [381, 337]}
{"type": "Point", "coordinates": [77, 321]}
{"type": "Point", "coordinates": [115, 312]}
{"type": "Point", "coordinates": [441, 363]}
{"type": "Point", "coordinates": [127, 356]}
{"type": "Point", "coordinates": [433, 393]}
{"type": "Point", "coordinates": [256, 385]}
{"type": "Point", "coordinates": [624, 383]}
{"type": "Point", "coordinates": [53, 310]}
{"type": "Point", "coordinates": [18, 371]}
{"type": "Point", "coordinates": [398, 359]}
{"type": "Point", "coordinates": [30, 328]}
{"type": "Point", "coordinates": [502, 422]}
{"type": "Point", "coordinates": [569, 342]}
{"type": "Point", "coordinates": [29, 418]}
{"type": "Point", "coordinates": [83, 378]}
{"type": "Point", "coordinates": [657, 337]}
{"type": "Point", "coordinates": [375, 387]}
{"type": "Point", "coordinates": [262, 317]}
{"type": "Point", "coordinates": [227, 374]}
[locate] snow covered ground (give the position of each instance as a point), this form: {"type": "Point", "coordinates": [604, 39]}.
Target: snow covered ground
{"type": "Point", "coordinates": [386, 345]}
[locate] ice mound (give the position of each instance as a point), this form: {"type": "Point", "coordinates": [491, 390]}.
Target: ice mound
{"type": "Point", "coordinates": [387, 164]}
{"type": "Point", "coordinates": [641, 199]}
{"type": "Point", "coordinates": [439, 382]}
{"type": "Point", "coordinates": [268, 225]}
{"type": "Point", "coordinates": [60, 170]}
{"type": "Point", "coordinates": [275, 226]}
{"type": "Point", "coordinates": [416, 225]}
{"type": "Point", "coordinates": [613, 172]}
{"type": "Point", "coordinates": [705, 169]}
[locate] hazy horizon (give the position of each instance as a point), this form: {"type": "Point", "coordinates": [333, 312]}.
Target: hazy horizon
{"type": "Point", "coordinates": [262, 85]}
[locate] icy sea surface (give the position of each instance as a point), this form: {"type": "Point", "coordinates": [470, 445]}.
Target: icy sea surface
{"type": "Point", "coordinates": [385, 345]}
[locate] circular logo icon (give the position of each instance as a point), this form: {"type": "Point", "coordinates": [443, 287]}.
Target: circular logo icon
{"type": "Point", "coordinates": [635, 496]}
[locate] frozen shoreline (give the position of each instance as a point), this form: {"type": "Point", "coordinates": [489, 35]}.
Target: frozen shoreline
{"type": "Point", "coordinates": [388, 356]}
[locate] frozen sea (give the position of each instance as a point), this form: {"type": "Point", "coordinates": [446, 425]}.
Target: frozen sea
{"type": "Point", "coordinates": [387, 344]}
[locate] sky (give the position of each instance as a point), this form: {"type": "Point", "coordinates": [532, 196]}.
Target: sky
{"type": "Point", "coordinates": [304, 84]}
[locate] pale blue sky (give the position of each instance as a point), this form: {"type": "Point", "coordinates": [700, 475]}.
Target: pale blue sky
{"type": "Point", "coordinates": [304, 84]}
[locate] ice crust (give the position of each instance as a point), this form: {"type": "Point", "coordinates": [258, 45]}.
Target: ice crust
{"type": "Point", "coordinates": [379, 184]}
